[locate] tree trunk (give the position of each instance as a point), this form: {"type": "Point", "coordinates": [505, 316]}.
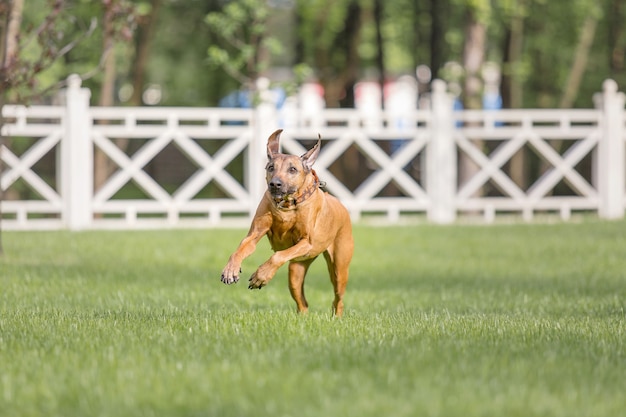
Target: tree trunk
{"type": "Point", "coordinates": [9, 36]}
{"type": "Point", "coordinates": [473, 59]}
{"type": "Point", "coordinates": [102, 165]}
{"type": "Point", "coordinates": [617, 41]}
{"type": "Point", "coordinates": [511, 86]}
{"type": "Point", "coordinates": [512, 92]}
{"type": "Point", "coordinates": [339, 89]}
{"type": "Point", "coordinates": [580, 61]}
{"type": "Point", "coordinates": [438, 12]}
{"type": "Point", "coordinates": [145, 34]}
{"type": "Point", "coordinates": [574, 78]}
{"type": "Point", "coordinates": [298, 45]}
{"type": "Point", "coordinates": [339, 84]}
{"type": "Point", "coordinates": [380, 58]}
{"type": "Point", "coordinates": [11, 30]}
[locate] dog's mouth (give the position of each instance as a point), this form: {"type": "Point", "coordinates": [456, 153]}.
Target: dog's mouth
{"type": "Point", "coordinates": [281, 194]}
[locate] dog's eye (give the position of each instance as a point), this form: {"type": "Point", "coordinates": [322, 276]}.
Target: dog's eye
{"type": "Point", "coordinates": [293, 170]}
{"type": "Point", "coordinates": [270, 168]}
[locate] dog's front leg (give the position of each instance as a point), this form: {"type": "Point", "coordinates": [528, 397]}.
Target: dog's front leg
{"type": "Point", "coordinates": [266, 271]}
{"type": "Point", "coordinates": [230, 274]}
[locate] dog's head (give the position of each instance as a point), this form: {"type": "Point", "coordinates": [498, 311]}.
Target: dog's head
{"type": "Point", "coordinates": [289, 176]}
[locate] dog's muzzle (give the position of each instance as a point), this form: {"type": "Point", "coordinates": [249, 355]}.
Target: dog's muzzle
{"type": "Point", "coordinates": [278, 189]}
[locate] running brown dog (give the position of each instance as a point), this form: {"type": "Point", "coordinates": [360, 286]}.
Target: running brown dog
{"type": "Point", "coordinates": [301, 222]}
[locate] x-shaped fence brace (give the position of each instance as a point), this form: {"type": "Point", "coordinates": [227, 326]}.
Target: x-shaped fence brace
{"type": "Point", "coordinates": [562, 166]}
{"type": "Point", "coordinates": [22, 167]}
{"type": "Point", "coordinates": [210, 167]}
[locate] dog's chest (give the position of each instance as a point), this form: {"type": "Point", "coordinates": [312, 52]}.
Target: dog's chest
{"type": "Point", "coordinates": [285, 232]}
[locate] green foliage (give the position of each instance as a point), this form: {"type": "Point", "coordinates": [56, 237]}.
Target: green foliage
{"type": "Point", "coordinates": [178, 62]}
{"type": "Point", "coordinates": [482, 9]}
{"type": "Point", "coordinates": [202, 47]}
{"type": "Point", "coordinates": [59, 38]}
{"type": "Point", "coordinates": [242, 26]}
{"type": "Point", "coordinates": [516, 320]}
{"type": "Point", "coordinates": [322, 21]}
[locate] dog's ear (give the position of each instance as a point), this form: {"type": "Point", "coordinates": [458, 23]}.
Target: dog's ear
{"type": "Point", "coordinates": [309, 158]}
{"type": "Point", "coordinates": [273, 144]}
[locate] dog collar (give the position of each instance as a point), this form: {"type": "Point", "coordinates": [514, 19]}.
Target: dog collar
{"type": "Point", "coordinates": [288, 202]}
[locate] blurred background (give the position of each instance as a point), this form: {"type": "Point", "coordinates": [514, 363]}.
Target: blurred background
{"type": "Point", "coordinates": [210, 52]}
{"type": "Point", "coordinates": [304, 55]}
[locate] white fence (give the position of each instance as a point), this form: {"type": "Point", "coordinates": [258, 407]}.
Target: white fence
{"type": "Point", "coordinates": [375, 165]}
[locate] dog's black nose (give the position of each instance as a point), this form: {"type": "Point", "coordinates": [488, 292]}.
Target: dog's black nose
{"type": "Point", "coordinates": [275, 183]}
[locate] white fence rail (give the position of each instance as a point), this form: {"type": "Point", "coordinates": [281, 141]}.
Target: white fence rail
{"type": "Point", "coordinates": [214, 169]}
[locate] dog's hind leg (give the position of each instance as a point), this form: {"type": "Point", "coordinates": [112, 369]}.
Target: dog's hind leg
{"type": "Point", "coordinates": [297, 272]}
{"type": "Point", "coordinates": [338, 270]}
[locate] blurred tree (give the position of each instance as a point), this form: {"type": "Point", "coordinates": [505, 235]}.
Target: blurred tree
{"type": "Point", "coordinates": [514, 14]}
{"type": "Point", "coordinates": [616, 15]}
{"type": "Point", "coordinates": [177, 61]}
{"type": "Point", "coordinates": [33, 44]}
{"type": "Point", "coordinates": [330, 34]}
{"type": "Point", "coordinates": [341, 88]}
{"type": "Point", "coordinates": [144, 39]}
{"type": "Point", "coordinates": [380, 48]}
{"type": "Point", "coordinates": [339, 39]}
{"type": "Point", "coordinates": [439, 10]}
{"type": "Point", "coordinates": [10, 22]}
{"type": "Point", "coordinates": [85, 57]}
{"type": "Point", "coordinates": [246, 46]}
{"type": "Point", "coordinates": [118, 19]}
{"type": "Point", "coordinates": [581, 55]}
{"type": "Point", "coordinates": [477, 17]}
{"type": "Point", "coordinates": [27, 52]}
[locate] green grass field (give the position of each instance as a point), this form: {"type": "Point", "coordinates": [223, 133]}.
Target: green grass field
{"type": "Point", "coordinates": [504, 320]}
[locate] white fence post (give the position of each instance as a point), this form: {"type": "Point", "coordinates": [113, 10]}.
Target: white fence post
{"type": "Point", "coordinates": [77, 157]}
{"type": "Point", "coordinates": [441, 158]}
{"type": "Point", "coordinates": [611, 157]}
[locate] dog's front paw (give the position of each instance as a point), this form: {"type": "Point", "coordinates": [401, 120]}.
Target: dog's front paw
{"type": "Point", "coordinates": [255, 282]}
{"type": "Point", "coordinates": [230, 275]}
